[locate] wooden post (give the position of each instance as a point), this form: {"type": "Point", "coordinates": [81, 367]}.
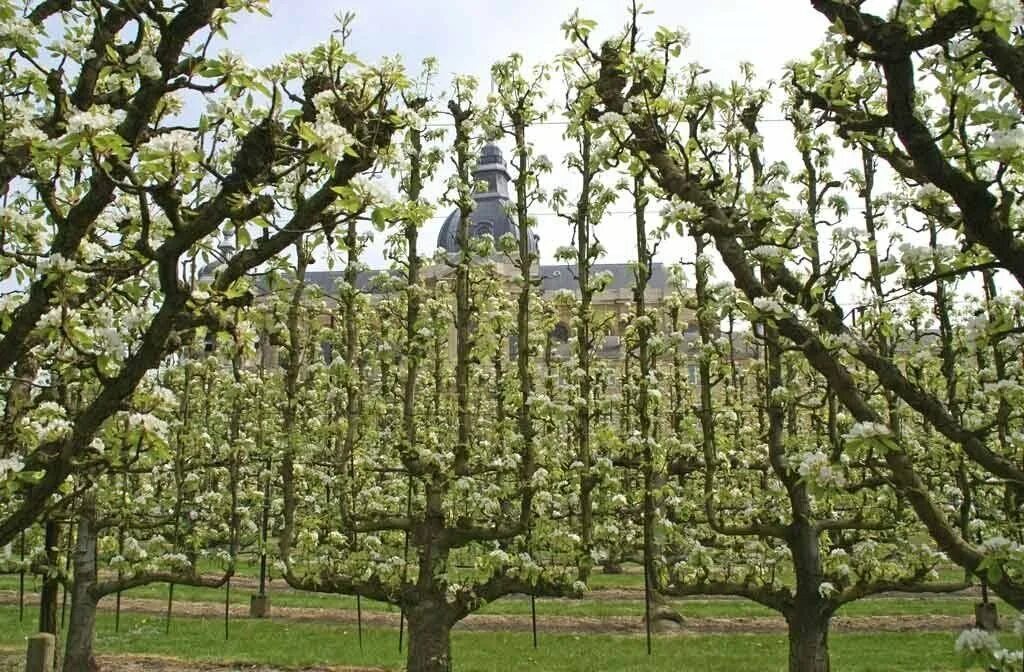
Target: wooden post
{"type": "Point", "coordinates": [170, 606]}
{"type": "Point", "coordinates": [21, 582]}
{"type": "Point", "coordinates": [227, 609]}
{"type": "Point", "coordinates": [40, 654]}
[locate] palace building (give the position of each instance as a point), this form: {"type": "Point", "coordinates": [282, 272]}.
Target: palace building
{"type": "Point", "coordinates": [491, 217]}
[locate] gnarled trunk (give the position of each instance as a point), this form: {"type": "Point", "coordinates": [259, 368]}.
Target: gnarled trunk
{"type": "Point", "coordinates": [78, 656]}
{"type": "Point", "coordinates": [430, 647]}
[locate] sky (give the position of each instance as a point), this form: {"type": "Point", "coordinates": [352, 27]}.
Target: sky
{"type": "Point", "coordinates": [468, 36]}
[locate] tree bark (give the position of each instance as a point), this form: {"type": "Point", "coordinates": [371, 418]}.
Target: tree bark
{"type": "Point", "coordinates": [808, 642]}
{"type": "Point", "coordinates": [78, 656]}
{"type": "Point", "coordinates": [51, 585]}
{"type": "Point", "coordinates": [809, 617]}
{"type": "Point", "coordinates": [430, 648]}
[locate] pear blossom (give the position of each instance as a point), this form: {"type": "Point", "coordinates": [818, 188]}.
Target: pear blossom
{"type": "Point", "coordinates": [333, 138]}
{"type": "Point", "coordinates": [11, 465]}
{"type": "Point", "coordinates": [1008, 143]}
{"type": "Point", "coordinates": [146, 63]}
{"type": "Point", "coordinates": [976, 641]}
{"type": "Point", "coordinates": [682, 211]}
{"type": "Point", "coordinates": [867, 430]}
{"type": "Point", "coordinates": [97, 119]}
{"type": "Point", "coordinates": [171, 143]}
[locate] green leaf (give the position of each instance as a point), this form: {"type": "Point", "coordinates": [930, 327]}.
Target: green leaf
{"type": "Point", "coordinates": [379, 218]}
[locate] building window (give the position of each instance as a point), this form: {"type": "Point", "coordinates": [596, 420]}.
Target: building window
{"type": "Point", "coordinates": [560, 333]}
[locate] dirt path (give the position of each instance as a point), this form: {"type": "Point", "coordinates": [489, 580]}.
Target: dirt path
{"type": "Point", "coordinates": [637, 594]}
{"type": "Point", "coordinates": [547, 623]}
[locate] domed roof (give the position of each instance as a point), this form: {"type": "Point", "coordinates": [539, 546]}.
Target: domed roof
{"type": "Point", "coordinates": [490, 217]}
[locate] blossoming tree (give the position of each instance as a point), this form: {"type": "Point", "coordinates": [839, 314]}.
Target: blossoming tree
{"type": "Point", "coordinates": [126, 150]}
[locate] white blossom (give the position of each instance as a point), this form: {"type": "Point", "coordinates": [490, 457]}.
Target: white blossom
{"type": "Point", "coordinates": [26, 133]}
{"type": "Point", "coordinates": [149, 423]}
{"type": "Point", "coordinates": [768, 252]}
{"type": "Point", "coordinates": [976, 640]}
{"type": "Point", "coordinates": [867, 430]}
{"type": "Point", "coordinates": [172, 142]}
{"type": "Point", "coordinates": [56, 263]}
{"type": "Point", "coordinates": [929, 192]}
{"type": "Point", "coordinates": [1007, 11]}
{"type": "Point", "coordinates": [146, 63]}
{"type": "Point", "coordinates": [334, 139]}
{"type": "Point", "coordinates": [769, 306]}
{"type": "Point", "coordinates": [371, 190]}
{"type": "Point", "coordinates": [612, 118]}
{"type": "Point", "coordinates": [108, 340]}
{"type": "Point", "coordinates": [817, 468]}
{"type": "Point", "coordinates": [97, 119]}
{"type": "Point", "coordinates": [15, 26]}
{"type": "Point", "coordinates": [13, 464]}
{"type": "Point", "coordinates": [682, 211]}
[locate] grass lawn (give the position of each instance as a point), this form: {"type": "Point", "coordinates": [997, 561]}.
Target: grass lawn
{"type": "Point", "coordinates": [299, 644]}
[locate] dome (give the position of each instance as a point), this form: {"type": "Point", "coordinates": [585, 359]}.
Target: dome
{"type": "Point", "coordinates": [490, 217]}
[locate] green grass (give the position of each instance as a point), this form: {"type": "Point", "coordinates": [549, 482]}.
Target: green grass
{"type": "Point", "coordinates": [306, 644]}
{"type": "Point", "coordinates": [631, 579]}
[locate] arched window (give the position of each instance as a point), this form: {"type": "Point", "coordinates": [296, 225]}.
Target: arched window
{"type": "Point", "coordinates": [484, 228]}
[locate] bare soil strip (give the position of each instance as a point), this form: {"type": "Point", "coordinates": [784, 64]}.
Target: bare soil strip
{"type": "Point", "coordinates": [625, 625]}
{"type": "Point", "coordinates": [12, 660]}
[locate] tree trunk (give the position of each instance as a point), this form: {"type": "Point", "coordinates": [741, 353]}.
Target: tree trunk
{"type": "Point", "coordinates": [808, 643]}
{"type": "Point", "coordinates": [78, 656]}
{"type": "Point", "coordinates": [664, 617]}
{"type": "Point", "coordinates": [51, 585]}
{"type": "Point", "coordinates": [430, 648]}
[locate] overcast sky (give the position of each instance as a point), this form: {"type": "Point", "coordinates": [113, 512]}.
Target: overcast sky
{"type": "Point", "coordinates": [468, 36]}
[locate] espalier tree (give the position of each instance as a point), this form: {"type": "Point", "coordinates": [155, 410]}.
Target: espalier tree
{"type": "Point", "coordinates": [938, 102]}
{"type": "Point", "coordinates": [592, 424]}
{"type": "Point", "coordinates": [775, 257]}
{"type": "Point", "coordinates": [157, 512]}
{"type": "Point", "coordinates": [461, 498]}
{"type": "Point", "coordinates": [127, 147]}
{"type": "Point", "coordinates": [168, 354]}
{"type": "Point", "coordinates": [169, 488]}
